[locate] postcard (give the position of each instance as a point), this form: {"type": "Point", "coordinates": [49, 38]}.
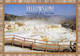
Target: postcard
{"type": "Point", "coordinates": [40, 28]}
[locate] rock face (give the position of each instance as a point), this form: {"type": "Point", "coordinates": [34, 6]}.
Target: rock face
{"type": "Point", "coordinates": [73, 47]}
{"type": "Point", "coordinates": [69, 25]}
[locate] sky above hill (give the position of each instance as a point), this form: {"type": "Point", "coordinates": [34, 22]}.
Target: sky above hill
{"type": "Point", "coordinates": [21, 9]}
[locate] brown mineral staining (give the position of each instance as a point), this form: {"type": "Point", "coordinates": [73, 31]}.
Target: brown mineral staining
{"type": "Point", "coordinates": [9, 27]}
{"type": "Point", "coordinates": [51, 26]}
{"type": "Point", "coordinates": [45, 39]}
{"type": "Point", "coordinates": [19, 23]}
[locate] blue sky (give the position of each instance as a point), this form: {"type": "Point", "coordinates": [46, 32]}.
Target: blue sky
{"type": "Point", "coordinates": [20, 9]}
